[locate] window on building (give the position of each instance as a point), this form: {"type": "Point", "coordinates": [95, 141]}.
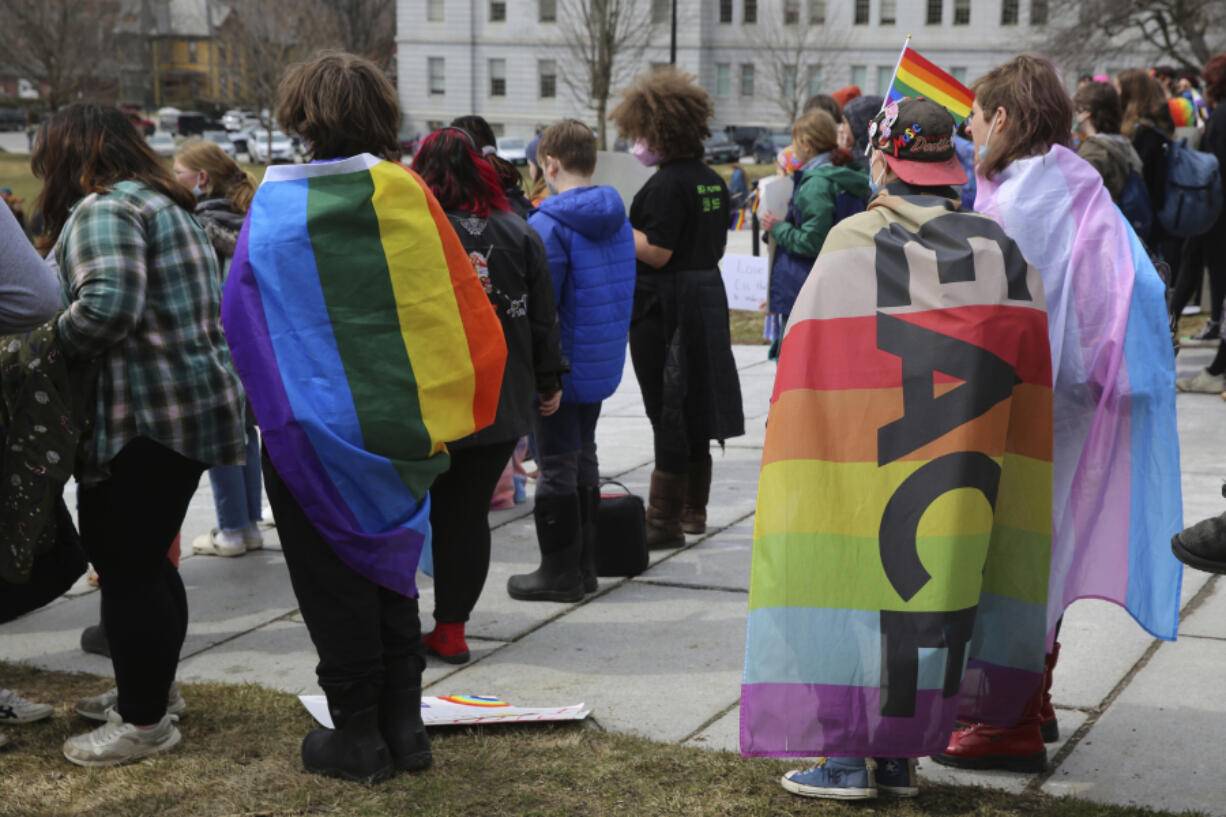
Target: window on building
{"type": "Point", "coordinates": [1038, 12]}
{"type": "Point", "coordinates": [548, 71]}
{"type": "Point", "coordinates": [725, 11]}
{"type": "Point", "coordinates": [814, 80]}
{"type": "Point", "coordinates": [193, 52]}
{"type": "Point", "coordinates": [548, 11]}
{"type": "Point", "coordinates": [885, 73]}
{"type": "Point", "coordinates": [962, 12]}
{"type": "Point", "coordinates": [817, 12]}
{"type": "Point", "coordinates": [936, 11]}
{"type": "Point", "coordinates": [751, 11]}
{"type": "Point", "coordinates": [723, 79]}
{"type": "Point", "coordinates": [498, 11]}
{"type": "Point", "coordinates": [861, 12]}
{"type": "Point", "coordinates": [859, 75]}
{"type": "Point", "coordinates": [958, 72]}
{"type": "Point", "coordinates": [747, 79]}
{"type": "Point", "coordinates": [435, 70]}
{"type": "Point", "coordinates": [499, 129]}
{"type": "Point", "coordinates": [434, 11]}
{"type": "Point", "coordinates": [889, 12]}
{"type": "Point", "coordinates": [498, 77]}
{"type": "Point", "coordinates": [1008, 12]}
{"type": "Point", "coordinates": [789, 82]}
{"type": "Point", "coordinates": [661, 11]}
{"type": "Point", "coordinates": [791, 12]}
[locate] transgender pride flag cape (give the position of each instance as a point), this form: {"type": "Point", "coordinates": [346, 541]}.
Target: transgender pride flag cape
{"type": "Point", "coordinates": [1117, 492]}
{"type": "Point", "coordinates": [365, 341]}
{"type": "Point", "coordinates": [902, 539]}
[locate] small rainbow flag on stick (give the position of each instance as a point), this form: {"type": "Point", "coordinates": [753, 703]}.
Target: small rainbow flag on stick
{"type": "Point", "coordinates": [916, 77]}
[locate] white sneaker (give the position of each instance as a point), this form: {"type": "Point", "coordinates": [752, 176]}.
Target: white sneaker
{"type": "Point", "coordinates": [117, 742]}
{"type": "Point", "coordinates": [1203, 382]}
{"type": "Point", "coordinates": [16, 709]}
{"type": "Point", "coordinates": [96, 708]}
{"type": "Point", "coordinates": [220, 543]}
{"type": "Point", "coordinates": [253, 537]}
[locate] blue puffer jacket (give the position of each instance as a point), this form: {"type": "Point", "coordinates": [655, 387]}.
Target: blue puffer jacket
{"type": "Point", "coordinates": [591, 258]}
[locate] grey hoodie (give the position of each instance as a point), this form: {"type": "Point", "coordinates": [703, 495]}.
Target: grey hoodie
{"type": "Point", "coordinates": [29, 289]}
{"type": "Point", "coordinates": [1114, 157]}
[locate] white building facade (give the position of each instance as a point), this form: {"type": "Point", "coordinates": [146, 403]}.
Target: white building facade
{"type": "Point", "coordinates": [507, 60]}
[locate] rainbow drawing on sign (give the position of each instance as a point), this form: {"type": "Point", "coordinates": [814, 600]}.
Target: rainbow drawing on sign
{"type": "Point", "coordinates": [473, 700]}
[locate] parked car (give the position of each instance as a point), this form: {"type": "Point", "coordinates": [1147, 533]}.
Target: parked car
{"type": "Point", "coordinates": [258, 147]}
{"type": "Point", "coordinates": [239, 139]}
{"type": "Point", "coordinates": [720, 148]}
{"type": "Point", "coordinates": [767, 147]}
{"type": "Point", "coordinates": [168, 118]}
{"type": "Point", "coordinates": [408, 143]}
{"type": "Point", "coordinates": [512, 148]}
{"type": "Point", "coordinates": [194, 123]}
{"type": "Point", "coordinates": [232, 119]}
{"type": "Point", "coordinates": [220, 138]}
{"type": "Point", "coordinates": [13, 119]}
{"type": "Point", "coordinates": [163, 144]}
{"type": "Point", "coordinates": [746, 136]}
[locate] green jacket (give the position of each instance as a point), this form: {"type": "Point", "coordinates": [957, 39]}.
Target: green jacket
{"type": "Point", "coordinates": [814, 204]}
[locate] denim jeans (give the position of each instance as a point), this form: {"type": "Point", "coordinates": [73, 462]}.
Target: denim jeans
{"type": "Point", "coordinates": [236, 489]}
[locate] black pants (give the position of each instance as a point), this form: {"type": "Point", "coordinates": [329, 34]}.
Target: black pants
{"type": "Point", "coordinates": [460, 528]}
{"type": "Point", "coordinates": [361, 630]}
{"type": "Point", "coordinates": [649, 340]}
{"type": "Point", "coordinates": [128, 523]}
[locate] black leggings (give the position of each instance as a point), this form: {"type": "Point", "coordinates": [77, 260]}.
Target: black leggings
{"type": "Point", "coordinates": [361, 630]}
{"type": "Point", "coordinates": [128, 523]}
{"type": "Point", "coordinates": [460, 528]}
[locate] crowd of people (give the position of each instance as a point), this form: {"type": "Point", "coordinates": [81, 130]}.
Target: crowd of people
{"type": "Point", "coordinates": [167, 304]}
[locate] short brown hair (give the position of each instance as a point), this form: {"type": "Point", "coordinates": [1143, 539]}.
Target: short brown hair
{"type": "Point", "coordinates": [667, 109]}
{"type": "Point", "coordinates": [226, 178]}
{"type": "Point", "coordinates": [1102, 103]}
{"type": "Point", "coordinates": [572, 143]}
{"type": "Point", "coordinates": [1142, 97]}
{"type": "Point", "coordinates": [816, 129]}
{"type": "Point", "coordinates": [341, 105]}
{"type": "Point", "coordinates": [1040, 113]}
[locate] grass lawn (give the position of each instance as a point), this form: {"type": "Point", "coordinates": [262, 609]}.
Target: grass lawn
{"type": "Point", "coordinates": [239, 756]}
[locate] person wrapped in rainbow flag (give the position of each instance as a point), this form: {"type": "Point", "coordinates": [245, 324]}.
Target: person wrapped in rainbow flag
{"type": "Point", "coordinates": [365, 340]}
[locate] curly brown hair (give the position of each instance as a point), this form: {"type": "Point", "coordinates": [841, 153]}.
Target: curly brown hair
{"type": "Point", "coordinates": [669, 110]}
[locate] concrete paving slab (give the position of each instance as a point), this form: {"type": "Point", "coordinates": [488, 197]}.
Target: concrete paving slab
{"type": "Point", "coordinates": [1158, 744]}
{"type": "Point", "coordinates": [722, 736]}
{"type": "Point", "coordinates": [626, 654]}
{"type": "Point", "coordinates": [930, 771]}
{"type": "Point", "coordinates": [1208, 620]}
{"type": "Point", "coordinates": [720, 561]}
{"type": "Point", "coordinates": [1099, 645]}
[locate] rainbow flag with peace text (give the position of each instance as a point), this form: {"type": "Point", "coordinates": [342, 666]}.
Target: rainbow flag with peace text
{"type": "Point", "coordinates": [902, 539]}
{"type": "Point", "coordinates": [365, 341]}
{"type": "Point", "coordinates": [918, 77]}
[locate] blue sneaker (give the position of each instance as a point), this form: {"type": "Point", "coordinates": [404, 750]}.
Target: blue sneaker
{"type": "Point", "coordinates": [896, 776]}
{"type": "Point", "coordinates": [833, 778]}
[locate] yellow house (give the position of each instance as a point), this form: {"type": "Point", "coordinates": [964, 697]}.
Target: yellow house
{"type": "Point", "coordinates": [187, 59]}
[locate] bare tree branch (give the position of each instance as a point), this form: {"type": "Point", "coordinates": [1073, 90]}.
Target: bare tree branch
{"type": "Point", "coordinates": [67, 44]}
{"type": "Point", "coordinates": [365, 27]}
{"type": "Point", "coordinates": [789, 52]}
{"type": "Point", "coordinates": [1184, 32]}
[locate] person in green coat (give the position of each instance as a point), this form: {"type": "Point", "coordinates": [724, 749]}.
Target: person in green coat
{"type": "Point", "coordinates": [828, 187]}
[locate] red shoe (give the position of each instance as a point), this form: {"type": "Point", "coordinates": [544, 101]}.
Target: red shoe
{"type": "Point", "coordinates": [979, 746]}
{"type": "Point", "coordinates": [447, 642]}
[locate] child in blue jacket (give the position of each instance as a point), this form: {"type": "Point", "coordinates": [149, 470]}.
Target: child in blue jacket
{"type": "Point", "coordinates": [591, 258]}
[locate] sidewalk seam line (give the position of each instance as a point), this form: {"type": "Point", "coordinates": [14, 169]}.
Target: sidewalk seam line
{"type": "Point", "coordinates": [710, 721]}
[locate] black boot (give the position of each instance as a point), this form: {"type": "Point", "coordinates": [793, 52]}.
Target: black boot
{"type": "Point", "coordinates": [354, 749]}
{"type": "Point", "coordinates": [1203, 546]}
{"type": "Point", "coordinates": [557, 532]}
{"type": "Point", "coordinates": [400, 715]}
{"type": "Point", "coordinates": [589, 504]}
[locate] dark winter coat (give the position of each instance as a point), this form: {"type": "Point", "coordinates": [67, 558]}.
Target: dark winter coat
{"type": "Point", "coordinates": [510, 260]}
{"type": "Point", "coordinates": [221, 224]}
{"type": "Point", "coordinates": [591, 260]}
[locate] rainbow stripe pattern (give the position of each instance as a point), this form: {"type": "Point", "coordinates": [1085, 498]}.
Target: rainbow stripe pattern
{"type": "Point", "coordinates": [903, 528]}
{"type": "Point", "coordinates": [1118, 500]}
{"type": "Point", "coordinates": [1183, 111]}
{"type": "Point", "coordinates": [365, 341]}
{"type": "Point", "coordinates": [918, 77]}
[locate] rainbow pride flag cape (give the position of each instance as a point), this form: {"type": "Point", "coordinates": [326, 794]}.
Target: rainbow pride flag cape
{"type": "Point", "coordinates": [1117, 492]}
{"type": "Point", "coordinates": [365, 341]}
{"type": "Point", "coordinates": [902, 540]}
{"type": "Point", "coordinates": [918, 77]}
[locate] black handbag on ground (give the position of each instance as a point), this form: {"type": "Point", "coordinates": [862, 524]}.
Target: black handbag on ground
{"type": "Point", "coordinates": [621, 533]}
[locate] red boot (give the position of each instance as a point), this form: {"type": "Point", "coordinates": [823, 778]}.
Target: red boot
{"type": "Point", "coordinates": [1047, 713]}
{"type": "Point", "coordinates": [1016, 748]}
{"type": "Point", "coordinates": [447, 642]}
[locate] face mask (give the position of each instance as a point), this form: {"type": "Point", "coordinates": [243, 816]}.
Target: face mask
{"type": "Point", "coordinates": [197, 191]}
{"type": "Point", "coordinates": [983, 149]}
{"type": "Point", "coordinates": [644, 154]}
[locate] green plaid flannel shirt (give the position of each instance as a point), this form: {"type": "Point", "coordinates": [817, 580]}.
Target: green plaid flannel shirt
{"type": "Point", "coordinates": [143, 292]}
